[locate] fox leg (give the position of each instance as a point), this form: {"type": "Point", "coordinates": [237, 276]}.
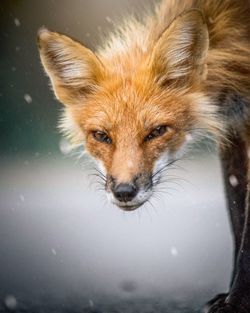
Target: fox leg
{"type": "Point", "coordinates": [235, 170]}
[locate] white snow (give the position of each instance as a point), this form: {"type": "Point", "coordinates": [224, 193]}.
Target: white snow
{"type": "Point", "coordinates": [21, 197]}
{"type": "Point", "coordinates": [65, 146]}
{"type": "Point", "coordinates": [188, 137]}
{"type": "Point", "coordinates": [17, 22]}
{"type": "Point", "coordinates": [27, 98]}
{"type": "Point", "coordinates": [108, 19]}
{"type": "Point", "coordinates": [10, 302]}
{"type": "Point", "coordinates": [174, 251]}
{"type": "Point", "coordinates": [53, 251]}
{"type": "Point", "coordinates": [233, 181]}
{"type": "Point", "coordinates": [91, 303]}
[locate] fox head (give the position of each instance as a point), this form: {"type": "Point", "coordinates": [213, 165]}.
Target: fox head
{"type": "Point", "coordinates": [135, 104]}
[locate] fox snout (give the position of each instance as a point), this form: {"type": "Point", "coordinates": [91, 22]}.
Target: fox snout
{"type": "Point", "coordinates": [129, 195]}
{"type": "Point", "coordinates": [125, 192]}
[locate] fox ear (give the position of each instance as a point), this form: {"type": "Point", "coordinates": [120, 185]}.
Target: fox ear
{"type": "Point", "coordinates": [74, 70]}
{"type": "Point", "coordinates": [179, 56]}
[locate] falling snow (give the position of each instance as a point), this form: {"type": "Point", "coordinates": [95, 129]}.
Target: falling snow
{"type": "Point", "coordinates": [189, 137]}
{"type": "Point", "coordinates": [10, 302]}
{"type": "Point", "coordinates": [233, 181]}
{"type": "Point", "coordinates": [17, 22]}
{"type": "Point", "coordinates": [91, 303]}
{"type": "Point", "coordinates": [22, 198]}
{"type": "Point", "coordinates": [27, 98]}
{"type": "Point", "coordinates": [174, 251]}
{"type": "Point", "coordinates": [65, 146]}
{"type": "Point", "coordinates": [53, 251]}
{"type": "Point", "coordinates": [108, 19]}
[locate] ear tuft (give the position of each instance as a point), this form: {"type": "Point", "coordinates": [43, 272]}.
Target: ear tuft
{"type": "Point", "coordinates": [179, 56]}
{"type": "Point", "coordinates": [43, 33]}
{"type": "Point", "coordinates": [73, 69]}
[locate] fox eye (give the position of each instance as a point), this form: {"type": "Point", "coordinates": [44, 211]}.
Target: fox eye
{"type": "Point", "coordinates": [157, 132]}
{"type": "Point", "coordinates": [101, 137]}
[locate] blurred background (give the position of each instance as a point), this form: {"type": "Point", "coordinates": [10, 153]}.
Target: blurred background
{"type": "Point", "coordinates": [63, 248]}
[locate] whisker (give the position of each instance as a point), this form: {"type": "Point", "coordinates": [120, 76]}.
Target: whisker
{"type": "Point", "coordinates": [172, 180]}
{"type": "Point", "coordinates": [99, 172]}
{"type": "Point", "coordinates": [164, 188]}
{"type": "Point", "coordinates": [98, 175]}
{"type": "Point", "coordinates": [164, 167]}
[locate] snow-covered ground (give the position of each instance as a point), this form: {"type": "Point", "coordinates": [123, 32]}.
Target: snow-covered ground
{"type": "Point", "coordinates": [65, 249]}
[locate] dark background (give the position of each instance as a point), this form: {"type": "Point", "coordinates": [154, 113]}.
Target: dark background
{"type": "Point", "coordinates": [31, 126]}
{"type": "Point", "coordinates": [63, 248]}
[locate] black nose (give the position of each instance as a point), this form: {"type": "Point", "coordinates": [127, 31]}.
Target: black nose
{"type": "Point", "coordinates": [125, 192]}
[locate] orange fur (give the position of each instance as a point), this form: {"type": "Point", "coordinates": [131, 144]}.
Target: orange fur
{"type": "Point", "coordinates": [170, 69]}
{"type": "Point", "coordinates": [156, 85]}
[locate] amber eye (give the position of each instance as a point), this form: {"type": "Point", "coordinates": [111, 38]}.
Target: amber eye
{"type": "Point", "coordinates": [101, 137]}
{"type": "Point", "coordinates": [157, 132]}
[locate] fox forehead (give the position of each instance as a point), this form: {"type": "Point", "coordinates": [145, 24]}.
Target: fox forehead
{"type": "Point", "coordinates": [125, 105]}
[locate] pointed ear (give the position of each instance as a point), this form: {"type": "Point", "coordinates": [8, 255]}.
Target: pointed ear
{"type": "Point", "coordinates": [179, 56]}
{"type": "Point", "coordinates": [74, 70]}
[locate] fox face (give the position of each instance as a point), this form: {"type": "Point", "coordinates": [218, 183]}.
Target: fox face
{"type": "Point", "coordinates": [136, 108]}
{"type": "Point", "coordinates": [133, 137]}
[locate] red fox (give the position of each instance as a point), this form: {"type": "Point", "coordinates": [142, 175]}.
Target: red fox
{"type": "Point", "coordinates": [180, 73]}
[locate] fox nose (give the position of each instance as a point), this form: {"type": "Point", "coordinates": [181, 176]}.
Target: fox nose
{"type": "Point", "coordinates": [125, 192]}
